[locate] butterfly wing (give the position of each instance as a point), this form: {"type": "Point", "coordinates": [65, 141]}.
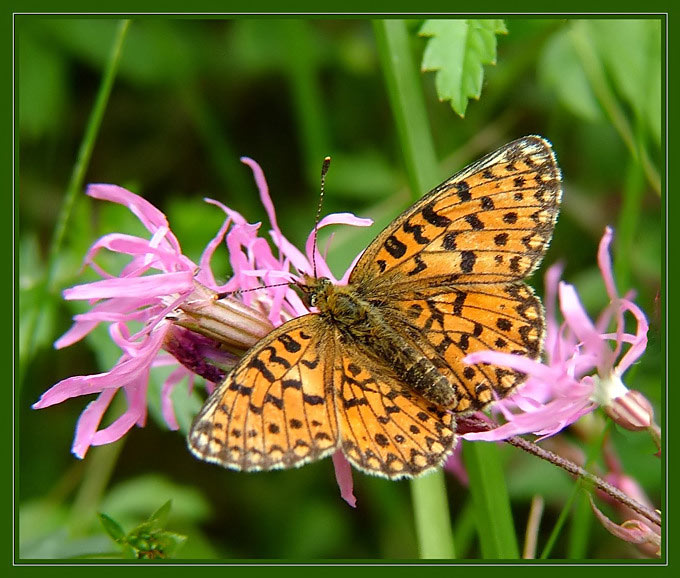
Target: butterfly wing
{"type": "Point", "coordinates": [385, 428]}
{"type": "Point", "coordinates": [446, 323]}
{"type": "Point", "coordinates": [276, 408]}
{"type": "Point", "coordinates": [490, 223]}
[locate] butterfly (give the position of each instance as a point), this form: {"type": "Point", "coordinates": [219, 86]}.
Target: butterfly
{"type": "Point", "coordinates": [377, 372]}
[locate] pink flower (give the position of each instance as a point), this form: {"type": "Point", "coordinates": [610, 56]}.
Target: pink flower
{"type": "Point", "coordinates": [582, 370]}
{"type": "Point", "coordinates": [175, 306]}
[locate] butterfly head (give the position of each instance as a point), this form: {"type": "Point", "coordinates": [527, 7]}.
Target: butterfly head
{"type": "Point", "coordinates": [315, 290]}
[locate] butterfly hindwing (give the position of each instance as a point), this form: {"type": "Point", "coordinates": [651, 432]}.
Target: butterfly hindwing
{"type": "Point", "coordinates": [387, 429]}
{"type": "Point", "coordinates": [446, 324]}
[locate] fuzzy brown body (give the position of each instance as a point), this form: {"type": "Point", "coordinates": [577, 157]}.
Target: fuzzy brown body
{"type": "Point", "coordinates": [355, 317]}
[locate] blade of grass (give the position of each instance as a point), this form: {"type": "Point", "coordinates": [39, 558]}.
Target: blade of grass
{"type": "Point", "coordinates": [493, 515]}
{"type": "Point", "coordinates": [406, 99]}
{"type": "Point", "coordinates": [582, 484]}
{"type": "Point", "coordinates": [48, 286]}
{"type": "Point", "coordinates": [627, 225]}
{"type": "Point", "coordinates": [593, 68]}
{"type": "Point", "coordinates": [303, 82]}
{"type": "Point", "coordinates": [431, 511]}
{"type": "Point", "coordinates": [579, 529]}
{"type": "Point", "coordinates": [75, 184]}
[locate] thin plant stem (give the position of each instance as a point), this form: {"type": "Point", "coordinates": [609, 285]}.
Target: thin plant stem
{"type": "Point", "coordinates": [532, 448]}
{"type": "Point", "coordinates": [598, 81]}
{"type": "Point", "coordinates": [98, 469]}
{"type": "Point", "coordinates": [628, 221]}
{"type": "Point", "coordinates": [77, 179]}
{"type": "Point", "coordinates": [431, 510]}
{"type": "Point", "coordinates": [493, 514]}
{"type": "Point", "coordinates": [574, 469]}
{"type": "Point", "coordinates": [48, 284]}
{"type": "Point", "coordinates": [533, 525]}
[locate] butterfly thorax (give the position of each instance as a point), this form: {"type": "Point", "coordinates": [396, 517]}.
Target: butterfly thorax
{"type": "Point", "coordinates": [356, 317]}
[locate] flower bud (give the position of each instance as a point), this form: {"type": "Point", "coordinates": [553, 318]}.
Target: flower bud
{"type": "Point", "coordinates": [631, 411]}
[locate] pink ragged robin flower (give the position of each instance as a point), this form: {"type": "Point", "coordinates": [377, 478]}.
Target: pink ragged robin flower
{"type": "Point", "coordinates": [582, 370]}
{"type": "Point", "coordinates": [162, 309]}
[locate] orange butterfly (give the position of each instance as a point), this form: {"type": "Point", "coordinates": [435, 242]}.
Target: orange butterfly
{"type": "Point", "coordinates": [378, 371]}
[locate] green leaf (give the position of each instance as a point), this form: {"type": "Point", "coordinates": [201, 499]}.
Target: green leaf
{"type": "Point", "coordinates": [457, 51]}
{"type": "Point", "coordinates": [560, 71]}
{"type": "Point", "coordinates": [630, 52]}
{"type": "Point", "coordinates": [160, 516]}
{"type": "Point", "coordinates": [493, 512]}
{"type": "Point", "coordinates": [149, 539]}
{"type": "Point", "coordinates": [112, 528]}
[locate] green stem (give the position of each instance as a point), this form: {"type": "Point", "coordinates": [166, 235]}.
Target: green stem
{"type": "Point", "coordinates": [48, 284]}
{"type": "Point", "coordinates": [431, 511]}
{"type": "Point", "coordinates": [302, 70]}
{"type": "Point", "coordinates": [406, 98]}
{"type": "Point", "coordinates": [594, 70]}
{"type": "Point", "coordinates": [579, 531]}
{"type": "Point", "coordinates": [98, 469]}
{"type": "Point", "coordinates": [627, 224]}
{"type": "Point", "coordinates": [75, 184]}
{"type": "Point", "coordinates": [493, 514]}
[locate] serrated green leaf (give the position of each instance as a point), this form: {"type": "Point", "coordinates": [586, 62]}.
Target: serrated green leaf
{"type": "Point", "coordinates": [457, 51]}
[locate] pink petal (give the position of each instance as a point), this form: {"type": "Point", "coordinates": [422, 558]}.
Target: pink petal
{"type": "Point", "coordinates": [150, 216]}
{"type": "Point", "coordinates": [343, 475]}
{"type": "Point", "coordinates": [640, 343]}
{"type": "Point", "coordinates": [167, 407]}
{"type": "Point", "coordinates": [89, 421]}
{"type": "Point", "coordinates": [552, 280]}
{"type": "Point", "coordinates": [264, 191]}
{"type": "Point", "coordinates": [161, 284]}
{"type": "Point", "coordinates": [135, 414]}
{"type": "Point", "coordinates": [605, 263]}
{"type": "Point", "coordinates": [531, 367]}
{"type": "Point", "coordinates": [205, 274]}
{"type": "Point", "coordinates": [579, 322]}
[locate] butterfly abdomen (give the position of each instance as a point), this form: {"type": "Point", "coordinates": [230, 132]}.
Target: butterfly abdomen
{"type": "Point", "coordinates": [359, 320]}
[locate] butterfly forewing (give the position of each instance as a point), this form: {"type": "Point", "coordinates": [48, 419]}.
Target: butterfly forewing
{"type": "Point", "coordinates": [490, 223]}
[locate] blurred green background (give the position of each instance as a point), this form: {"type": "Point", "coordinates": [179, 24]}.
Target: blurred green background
{"type": "Point", "coordinates": [190, 98]}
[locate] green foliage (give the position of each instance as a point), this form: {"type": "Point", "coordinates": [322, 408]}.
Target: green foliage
{"type": "Point", "coordinates": [458, 50]}
{"type": "Point", "coordinates": [612, 68]}
{"type": "Point", "coordinates": [148, 540]}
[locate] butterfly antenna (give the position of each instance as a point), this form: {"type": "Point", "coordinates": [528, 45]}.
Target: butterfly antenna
{"type": "Point", "coordinates": [223, 294]}
{"type": "Point", "coordinates": [324, 170]}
